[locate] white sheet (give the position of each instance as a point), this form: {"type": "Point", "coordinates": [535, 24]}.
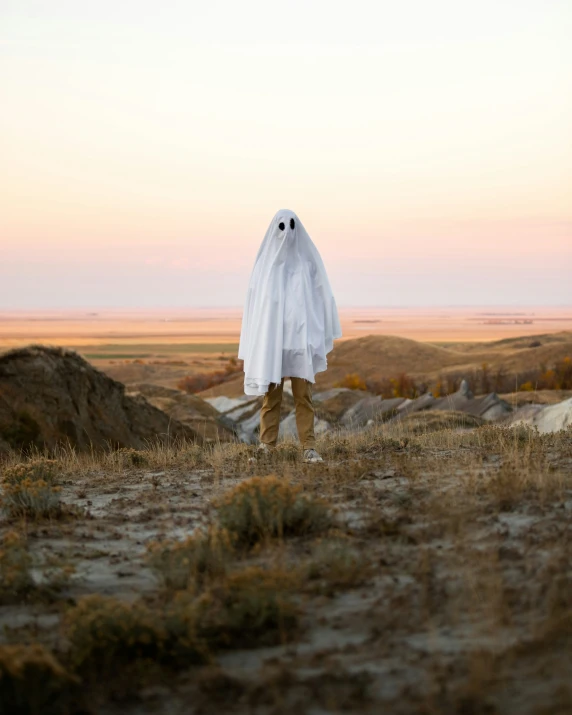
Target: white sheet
{"type": "Point", "coordinates": [290, 318]}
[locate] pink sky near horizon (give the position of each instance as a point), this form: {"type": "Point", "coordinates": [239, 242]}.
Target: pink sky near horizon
{"type": "Point", "coordinates": [427, 150]}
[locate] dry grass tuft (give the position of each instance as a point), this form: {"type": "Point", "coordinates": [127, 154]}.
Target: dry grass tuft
{"type": "Point", "coordinates": [263, 508]}
{"type": "Point", "coordinates": [38, 469]}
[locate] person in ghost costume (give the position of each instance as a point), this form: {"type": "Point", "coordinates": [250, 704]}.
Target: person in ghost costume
{"type": "Point", "coordinates": [289, 325]}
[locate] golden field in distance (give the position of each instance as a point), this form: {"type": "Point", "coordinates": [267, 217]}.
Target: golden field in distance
{"type": "Point", "coordinates": [96, 328]}
{"type": "Point", "coordinates": [164, 346]}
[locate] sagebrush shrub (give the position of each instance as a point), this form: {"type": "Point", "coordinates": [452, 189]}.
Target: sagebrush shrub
{"type": "Point", "coordinates": [29, 489]}
{"type": "Point", "coordinates": [33, 682]}
{"type": "Point", "coordinates": [40, 469]}
{"type": "Point", "coordinates": [248, 608]}
{"type": "Point", "coordinates": [200, 557]}
{"type": "Point", "coordinates": [32, 498]}
{"type": "Point", "coordinates": [105, 633]}
{"type": "Point", "coordinates": [268, 507]}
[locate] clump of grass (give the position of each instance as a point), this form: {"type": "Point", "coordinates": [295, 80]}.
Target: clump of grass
{"type": "Point", "coordinates": [184, 564]}
{"type": "Point", "coordinates": [262, 508]}
{"type": "Point", "coordinates": [247, 609]}
{"type": "Point", "coordinates": [106, 634]}
{"type": "Point", "coordinates": [15, 568]}
{"type": "Point", "coordinates": [33, 682]}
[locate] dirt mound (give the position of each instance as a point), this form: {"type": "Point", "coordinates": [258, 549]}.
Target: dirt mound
{"type": "Point", "coordinates": [50, 396]}
{"type": "Point", "coordinates": [385, 355]}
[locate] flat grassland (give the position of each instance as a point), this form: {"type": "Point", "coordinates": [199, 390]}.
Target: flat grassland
{"type": "Point", "coordinates": [412, 572]}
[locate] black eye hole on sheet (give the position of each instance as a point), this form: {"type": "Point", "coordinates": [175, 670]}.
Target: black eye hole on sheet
{"type": "Point", "coordinates": [292, 224]}
{"type": "Point", "coordinates": [281, 225]}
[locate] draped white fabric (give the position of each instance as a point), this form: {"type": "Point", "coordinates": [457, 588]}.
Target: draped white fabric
{"type": "Point", "coordinates": [290, 316]}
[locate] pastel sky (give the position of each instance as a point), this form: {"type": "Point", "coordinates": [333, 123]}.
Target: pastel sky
{"type": "Point", "coordinates": [145, 146]}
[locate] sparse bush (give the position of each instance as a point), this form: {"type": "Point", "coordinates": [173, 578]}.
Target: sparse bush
{"type": "Point", "coordinates": [35, 499]}
{"type": "Point", "coordinates": [40, 469]}
{"type": "Point", "coordinates": [30, 489]}
{"type": "Point", "coordinates": [249, 608]}
{"type": "Point", "coordinates": [32, 682]}
{"type": "Point", "coordinates": [15, 568]}
{"type": "Point", "coordinates": [268, 507]}
{"type": "Point", "coordinates": [199, 558]}
{"type": "Point", "coordinates": [104, 633]}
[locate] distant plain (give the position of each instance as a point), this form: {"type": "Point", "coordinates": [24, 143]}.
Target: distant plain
{"type": "Point", "coordinates": [162, 346]}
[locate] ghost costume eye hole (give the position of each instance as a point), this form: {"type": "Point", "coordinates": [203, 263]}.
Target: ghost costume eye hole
{"type": "Point", "coordinates": [281, 225]}
{"type": "Point", "coordinates": [292, 224]}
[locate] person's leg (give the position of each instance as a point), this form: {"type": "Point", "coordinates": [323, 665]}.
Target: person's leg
{"type": "Point", "coordinates": [270, 414]}
{"type": "Point", "coordinates": [302, 391]}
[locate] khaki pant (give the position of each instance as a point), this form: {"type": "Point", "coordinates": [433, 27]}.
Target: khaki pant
{"type": "Point", "coordinates": [270, 413]}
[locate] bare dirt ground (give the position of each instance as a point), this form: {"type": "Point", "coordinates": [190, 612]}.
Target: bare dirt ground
{"type": "Point", "coordinates": [443, 584]}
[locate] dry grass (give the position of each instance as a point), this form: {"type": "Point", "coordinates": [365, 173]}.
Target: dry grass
{"type": "Point", "coordinates": [444, 586]}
